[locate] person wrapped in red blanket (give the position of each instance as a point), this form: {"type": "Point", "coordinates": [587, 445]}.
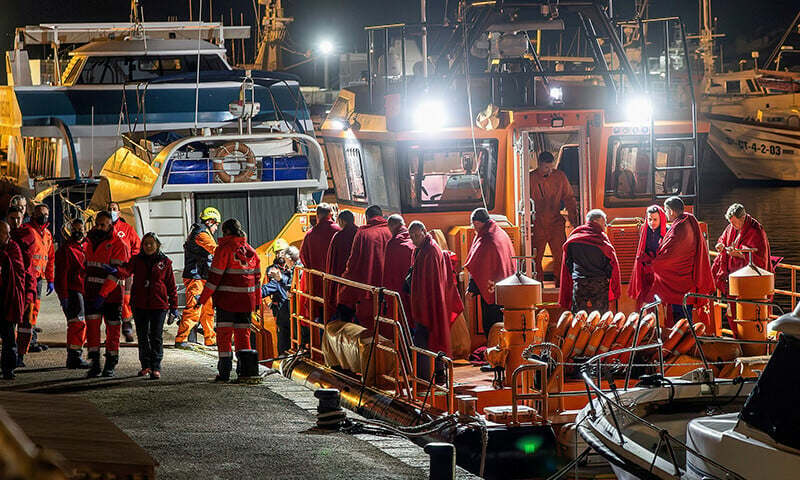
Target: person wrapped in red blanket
{"type": "Point", "coordinates": [743, 231]}
{"type": "Point", "coordinates": [640, 287]}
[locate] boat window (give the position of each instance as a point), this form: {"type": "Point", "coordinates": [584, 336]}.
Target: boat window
{"type": "Point", "coordinates": [335, 155]}
{"type": "Point", "coordinates": [751, 84]}
{"type": "Point", "coordinates": [380, 165]}
{"type": "Point", "coordinates": [116, 70]}
{"type": "Point", "coordinates": [449, 176]}
{"type": "Point", "coordinates": [733, 86]}
{"type": "Point", "coordinates": [630, 175]}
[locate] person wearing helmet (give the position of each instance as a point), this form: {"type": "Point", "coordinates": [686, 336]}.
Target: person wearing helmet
{"type": "Point", "coordinates": [198, 252]}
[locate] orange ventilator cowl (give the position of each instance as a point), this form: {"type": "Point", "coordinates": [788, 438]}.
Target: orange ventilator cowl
{"type": "Point", "coordinates": [519, 296]}
{"type": "Point", "coordinates": [751, 283]}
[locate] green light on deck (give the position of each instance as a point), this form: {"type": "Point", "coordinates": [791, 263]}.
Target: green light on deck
{"type": "Point", "coordinates": [530, 444]}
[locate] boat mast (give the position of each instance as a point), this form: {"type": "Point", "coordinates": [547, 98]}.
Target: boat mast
{"type": "Point", "coordinates": [274, 25]}
{"type": "Point", "coordinates": [706, 35]}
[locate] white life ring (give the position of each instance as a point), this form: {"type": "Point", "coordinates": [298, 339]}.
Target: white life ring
{"type": "Point", "coordinates": [243, 155]}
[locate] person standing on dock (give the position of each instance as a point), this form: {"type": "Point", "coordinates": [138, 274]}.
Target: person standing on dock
{"type": "Point", "coordinates": [12, 292]}
{"type": "Point", "coordinates": [314, 250]}
{"type": "Point", "coordinates": [550, 189]}
{"type": "Point", "coordinates": [365, 265]}
{"type": "Point", "coordinates": [743, 231]}
{"type": "Point", "coordinates": [681, 264]}
{"type": "Point", "coordinates": [654, 229]}
{"type": "Point", "coordinates": [127, 234]}
{"type": "Point", "coordinates": [198, 252]}
{"type": "Point", "coordinates": [488, 261]}
{"type": "Point", "coordinates": [233, 281]}
{"type": "Point", "coordinates": [70, 277]}
{"type": "Point", "coordinates": [590, 275]}
{"type": "Point", "coordinates": [396, 262]}
{"type": "Point", "coordinates": [25, 240]}
{"type": "Point", "coordinates": [105, 254]}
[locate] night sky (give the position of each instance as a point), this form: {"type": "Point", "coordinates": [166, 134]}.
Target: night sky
{"type": "Point", "coordinates": [748, 25]}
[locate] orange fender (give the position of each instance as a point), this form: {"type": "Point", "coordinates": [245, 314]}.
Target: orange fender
{"type": "Point", "coordinates": [618, 320]}
{"type": "Point", "coordinates": [593, 320]}
{"type": "Point", "coordinates": [625, 334]}
{"type": "Point", "coordinates": [608, 339]}
{"type": "Point", "coordinates": [605, 320]}
{"type": "Point", "coordinates": [578, 322]}
{"type": "Point", "coordinates": [595, 339]}
{"type": "Point", "coordinates": [560, 331]}
{"type": "Point", "coordinates": [645, 327]}
{"type": "Point", "coordinates": [542, 324]}
{"type": "Point", "coordinates": [688, 343]}
{"type": "Point", "coordinates": [583, 339]}
{"type": "Point", "coordinates": [674, 337]}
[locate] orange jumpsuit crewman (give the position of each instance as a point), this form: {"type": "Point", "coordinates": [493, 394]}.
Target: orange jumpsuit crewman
{"type": "Point", "coordinates": [105, 254]}
{"type": "Point", "coordinates": [234, 281]}
{"type": "Point", "coordinates": [42, 258]}
{"type": "Point", "coordinates": [127, 234]}
{"type": "Point", "coordinates": [550, 189]}
{"type": "Point", "coordinates": [198, 251]}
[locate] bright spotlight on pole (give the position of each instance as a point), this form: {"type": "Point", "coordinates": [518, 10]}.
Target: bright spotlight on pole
{"type": "Point", "coordinates": [639, 110]}
{"type": "Point", "coordinates": [326, 47]}
{"type": "Point", "coordinates": [430, 115]}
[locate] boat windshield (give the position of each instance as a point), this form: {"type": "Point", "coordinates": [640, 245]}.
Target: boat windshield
{"type": "Point", "coordinates": [96, 70]}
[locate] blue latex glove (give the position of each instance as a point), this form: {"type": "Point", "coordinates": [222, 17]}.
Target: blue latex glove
{"type": "Point", "coordinates": [98, 302]}
{"type": "Point", "coordinates": [64, 303]}
{"type": "Point", "coordinates": [174, 312]}
{"type": "Point", "coordinates": [50, 287]}
{"type": "Point", "coordinates": [110, 269]}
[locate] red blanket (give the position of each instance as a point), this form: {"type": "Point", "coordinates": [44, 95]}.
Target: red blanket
{"type": "Point", "coordinates": [681, 264]}
{"type": "Point", "coordinates": [365, 265]}
{"type": "Point", "coordinates": [314, 251]}
{"type": "Point", "coordinates": [431, 295]}
{"type": "Point", "coordinates": [397, 261]}
{"type": "Point", "coordinates": [752, 235]}
{"type": "Point", "coordinates": [589, 234]}
{"type": "Point", "coordinates": [489, 258]}
{"type": "Point", "coordinates": [642, 274]}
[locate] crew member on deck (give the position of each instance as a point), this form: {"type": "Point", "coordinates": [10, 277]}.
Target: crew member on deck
{"type": "Point", "coordinates": [314, 251]}
{"type": "Point", "coordinates": [339, 252]}
{"type": "Point", "coordinates": [365, 265]}
{"type": "Point", "coordinates": [488, 261]}
{"type": "Point", "coordinates": [743, 231]}
{"type": "Point", "coordinates": [397, 261]}
{"type": "Point", "coordinates": [590, 274]}
{"type": "Point", "coordinates": [70, 267]}
{"type": "Point", "coordinates": [681, 264]}
{"type": "Point", "coordinates": [649, 240]}
{"type": "Point", "coordinates": [550, 189]}
{"type": "Point", "coordinates": [127, 234]}
{"type": "Point", "coordinates": [25, 240]}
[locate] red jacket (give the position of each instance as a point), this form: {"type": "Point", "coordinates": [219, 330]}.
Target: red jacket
{"type": "Point", "coordinates": [70, 268]}
{"type": "Point", "coordinates": [27, 244]}
{"type": "Point", "coordinates": [127, 234]}
{"type": "Point", "coordinates": [153, 282]}
{"type": "Point", "coordinates": [12, 282]}
{"type": "Point", "coordinates": [110, 251]}
{"type": "Point", "coordinates": [43, 254]}
{"type": "Point", "coordinates": [234, 280]}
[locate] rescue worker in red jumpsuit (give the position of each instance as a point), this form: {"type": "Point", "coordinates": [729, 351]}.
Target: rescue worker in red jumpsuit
{"type": "Point", "coordinates": [127, 234]}
{"type": "Point", "coordinates": [12, 295]}
{"type": "Point", "coordinates": [25, 240]}
{"type": "Point", "coordinates": [105, 254]}
{"type": "Point", "coordinates": [550, 189]}
{"type": "Point", "coordinates": [197, 254]}
{"type": "Point", "coordinates": [43, 262]}
{"type": "Point", "coordinates": [234, 284]}
{"type": "Point", "coordinates": [70, 274]}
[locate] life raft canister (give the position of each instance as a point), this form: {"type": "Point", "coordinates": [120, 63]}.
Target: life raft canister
{"type": "Point", "coordinates": [243, 155]}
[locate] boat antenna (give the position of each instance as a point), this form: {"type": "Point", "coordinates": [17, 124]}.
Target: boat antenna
{"type": "Point", "coordinates": [197, 78]}
{"type": "Point", "coordinates": [777, 49]}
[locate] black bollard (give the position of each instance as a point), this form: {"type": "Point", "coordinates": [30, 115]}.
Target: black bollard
{"type": "Point", "coordinates": [329, 411]}
{"type": "Point", "coordinates": [443, 460]}
{"type": "Point", "coordinates": [248, 363]}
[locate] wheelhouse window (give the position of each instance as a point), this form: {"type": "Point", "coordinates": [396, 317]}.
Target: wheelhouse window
{"type": "Point", "coordinates": [449, 176]}
{"type": "Point", "coordinates": [630, 174]}
{"type": "Point", "coordinates": [116, 70]}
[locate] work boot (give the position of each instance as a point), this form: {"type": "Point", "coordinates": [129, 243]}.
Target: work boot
{"type": "Point", "coordinates": [224, 367]}
{"type": "Point", "coordinates": [94, 369]}
{"type": "Point", "coordinates": [20, 362]}
{"type": "Point", "coordinates": [74, 360]}
{"type": "Point", "coordinates": [127, 331]}
{"type": "Point", "coordinates": [111, 362]}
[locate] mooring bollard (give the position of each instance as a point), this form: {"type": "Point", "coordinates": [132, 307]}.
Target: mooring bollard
{"type": "Point", "coordinates": [443, 460]}
{"type": "Point", "coordinates": [329, 411]}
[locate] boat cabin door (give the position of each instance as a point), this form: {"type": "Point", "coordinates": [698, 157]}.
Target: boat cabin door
{"type": "Point", "coordinates": [569, 147]}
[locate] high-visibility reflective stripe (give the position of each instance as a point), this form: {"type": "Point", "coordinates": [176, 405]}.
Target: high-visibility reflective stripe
{"type": "Point", "coordinates": [224, 324]}
{"type": "Point", "coordinates": [24, 330]}
{"type": "Point", "coordinates": [94, 264]}
{"type": "Point", "coordinates": [216, 270]}
{"type": "Point", "coordinates": [39, 257]}
{"type": "Point", "coordinates": [210, 286]}
{"type": "Point", "coordinates": [94, 349]}
{"type": "Point", "coordinates": [75, 320]}
{"type": "Point", "coordinates": [95, 280]}
{"type": "Point", "coordinates": [226, 288]}
{"type": "Point", "coordinates": [94, 316]}
{"type": "Point", "coordinates": [116, 261]}
{"type": "Point", "coordinates": [225, 354]}
{"type": "Point", "coordinates": [242, 325]}
{"type": "Point", "coordinates": [114, 322]}
{"type": "Point", "coordinates": [242, 271]}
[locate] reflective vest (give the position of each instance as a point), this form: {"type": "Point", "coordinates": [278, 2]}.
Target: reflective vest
{"type": "Point", "coordinates": [43, 255]}
{"type": "Point", "coordinates": [196, 255]}
{"type": "Point", "coordinates": [235, 277]}
{"type": "Point", "coordinates": [111, 251]}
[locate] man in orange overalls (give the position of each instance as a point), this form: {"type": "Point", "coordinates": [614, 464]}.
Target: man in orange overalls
{"type": "Point", "coordinates": [42, 258]}
{"type": "Point", "coordinates": [198, 252]}
{"type": "Point", "coordinates": [127, 234]}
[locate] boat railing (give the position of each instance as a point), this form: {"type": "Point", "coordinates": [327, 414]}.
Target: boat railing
{"type": "Point", "coordinates": [526, 390]}
{"type": "Point", "coordinates": [785, 274]}
{"type": "Point", "coordinates": [311, 310]}
{"type": "Point", "coordinates": [665, 439]}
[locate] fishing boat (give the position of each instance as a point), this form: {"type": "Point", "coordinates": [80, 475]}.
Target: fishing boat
{"type": "Point", "coordinates": [137, 83]}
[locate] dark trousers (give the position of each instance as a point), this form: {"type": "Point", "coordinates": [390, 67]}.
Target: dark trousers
{"type": "Point", "coordinates": [149, 331]}
{"type": "Point", "coordinates": [492, 313]}
{"type": "Point", "coordinates": [677, 313]}
{"type": "Point", "coordinates": [421, 336]}
{"type": "Point", "coordinates": [8, 355]}
{"type": "Point", "coordinates": [283, 317]}
{"type": "Point", "coordinates": [590, 294]}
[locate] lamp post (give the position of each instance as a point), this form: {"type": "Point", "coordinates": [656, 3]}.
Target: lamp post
{"type": "Point", "coordinates": [326, 48]}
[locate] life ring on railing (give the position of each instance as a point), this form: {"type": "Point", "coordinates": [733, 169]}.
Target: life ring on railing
{"type": "Point", "coordinates": [608, 338]}
{"type": "Point", "coordinates": [593, 321]}
{"type": "Point", "coordinates": [243, 155]}
{"type": "Point", "coordinates": [561, 329]}
{"type": "Point", "coordinates": [578, 323]}
{"type": "Point", "coordinates": [605, 320]}
{"type": "Point", "coordinates": [585, 333]}
{"type": "Point", "coordinates": [688, 342]}
{"type": "Point", "coordinates": [542, 321]}
{"type": "Point", "coordinates": [675, 336]}
{"type": "Point", "coordinates": [626, 332]}
{"type": "Point", "coordinates": [595, 339]}
{"type": "Point", "coordinates": [645, 327]}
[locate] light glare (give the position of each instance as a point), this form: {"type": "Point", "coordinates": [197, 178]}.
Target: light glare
{"type": "Point", "coordinates": [430, 115]}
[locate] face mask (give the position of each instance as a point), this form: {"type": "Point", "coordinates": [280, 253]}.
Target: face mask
{"type": "Point", "coordinates": [41, 219]}
{"type": "Point", "coordinates": [114, 216]}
